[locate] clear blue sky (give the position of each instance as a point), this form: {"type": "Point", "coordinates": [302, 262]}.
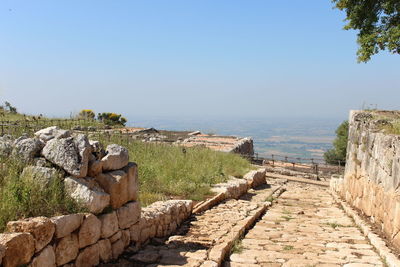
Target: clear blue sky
{"type": "Point", "coordinates": [193, 58]}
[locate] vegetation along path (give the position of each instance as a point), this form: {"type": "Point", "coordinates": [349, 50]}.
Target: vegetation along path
{"type": "Point", "coordinates": [303, 227]}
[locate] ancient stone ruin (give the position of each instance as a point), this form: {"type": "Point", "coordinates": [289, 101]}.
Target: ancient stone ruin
{"type": "Point", "coordinates": [372, 177]}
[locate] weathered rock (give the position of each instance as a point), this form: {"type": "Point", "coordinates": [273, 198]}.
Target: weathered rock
{"type": "Point", "coordinates": [19, 248]}
{"type": "Point", "coordinates": [88, 257]}
{"type": "Point", "coordinates": [67, 249]}
{"type": "Point", "coordinates": [27, 149]}
{"type": "Point", "coordinates": [95, 168]}
{"type": "Point", "coordinates": [128, 214]}
{"type": "Point", "coordinates": [135, 232]}
{"type": "Point", "coordinates": [71, 154]}
{"type": "Point", "coordinates": [2, 252]}
{"type": "Point", "coordinates": [41, 162]}
{"type": "Point", "coordinates": [117, 248]}
{"type": "Point", "coordinates": [116, 237]}
{"type": "Point", "coordinates": [40, 175]}
{"type": "Point", "coordinates": [88, 192]}
{"type": "Point", "coordinates": [46, 258]}
{"type": "Point", "coordinates": [51, 133]}
{"type": "Point", "coordinates": [256, 177]}
{"type": "Point", "coordinates": [5, 146]}
{"type": "Point", "coordinates": [126, 237]}
{"type": "Point", "coordinates": [109, 224]}
{"type": "Point", "coordinates": [133, 187]}
{"type": "Point", "coordinates": [41, 228]}
{"type": "Point", "coordinates": [66, 224]}
{"type": "Point", "coordinates": [115, 183]}
{"type": "Point", "coordinates": [97, 147]}
{"type": "Point", "coordinates": [105, 250]}
{"type": "Point", "coordinates": [90, 231]}
{"type": "Point", "coordinates": [116, 158]}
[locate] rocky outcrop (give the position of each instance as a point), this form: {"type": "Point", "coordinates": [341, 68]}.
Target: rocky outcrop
{"type": "Point", "coordinates": [41, 175]}
{"type": "Point", "coordinates": [51, 133]}
{"type": "Point", "coordinates": [27, 148]}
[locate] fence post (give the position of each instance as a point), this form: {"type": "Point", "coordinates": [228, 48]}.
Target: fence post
{"type": "Point", "coordinates": [293, 164]}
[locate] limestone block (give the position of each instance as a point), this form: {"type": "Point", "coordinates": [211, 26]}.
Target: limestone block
{"type": "Point", "coordinates": [66, 224]}
{"type": "Point", "coordinates": [116, 237]}
{"type": "Point", "coordinates": [71, 154]}
{"type": "Point", "coordinates": [46, 258]}
{"type": "Point", "coordinates": [27, 149]}
{"type": "Point", "coordinates": [126, 237]}
{"type": "Point", "coordinates": [135, 232]}
{"type": "Point", "coordinates": [18, 248]}
{"type": "Point", "coordinates": [49, 133]}
{"type": "Point", "coordinates": [67, 249]}
{"type": "Point", "coordinates": [95, 167]}
{"type": "Point", "coordinates": [90, 231]}
{"type": "Point", "coordinates": [41, 175]}
{"type": "Point", "coordinates": [41, 228]}
{"type": "Point", "coordinates": [109, 224]}
{"type": "Point", "coordinates": [117, 248]}
{"type": "Point", "coordinates": [88, 257]}
{"type": "Point", "coordinates": [133, 187]}
{"type": "Point", "coordinates": [105, 251]}
{"type": "Point", "coordinates": [88, 192]}
{"type": "Point", "coordinates": [116, 158]}
{"type": "Point", "coordinates": [115, 183]}
{"type": "Point", "coordinates": [128, 214]}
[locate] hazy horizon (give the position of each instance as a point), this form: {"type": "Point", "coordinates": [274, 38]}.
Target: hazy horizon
{"type": "Point", "coordinates": [208, 58]}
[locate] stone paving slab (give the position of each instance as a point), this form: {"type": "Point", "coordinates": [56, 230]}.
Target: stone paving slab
{"type": "Point", "coordinates": [304, 227]}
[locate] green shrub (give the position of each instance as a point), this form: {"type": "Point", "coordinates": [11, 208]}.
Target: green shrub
{"type": "Point", "coordinates": [338, 152]}
{"type": "Point", "coordinates": [23, 197]}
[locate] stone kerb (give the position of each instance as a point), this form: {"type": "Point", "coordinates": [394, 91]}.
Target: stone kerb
{"type": "Point", "coordinates": [233, 188]}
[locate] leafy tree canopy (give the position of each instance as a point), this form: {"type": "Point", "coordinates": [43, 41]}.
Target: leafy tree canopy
{"type": "Point", "coordinates": [338, 152]}
{"type": "Point", "coordinates": [86, 114]}
{"type": "Point", "coordinates": [110, 118]}
{"type": "Point", "coordinates": [378, 23]}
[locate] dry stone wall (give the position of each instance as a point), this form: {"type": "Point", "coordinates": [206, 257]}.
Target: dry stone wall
{"type": "Point", "coordinates": [107, 184]}
{"type": "Point", "coordinates": [372, 176]}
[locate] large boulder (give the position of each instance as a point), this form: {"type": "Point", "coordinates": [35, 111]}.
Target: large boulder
{"type": "Point", "coordinates": [116, 157]}
{"type": "Point", "coordinates": [88, 192]}
{"type": "Point", "coordinates": [105, 250]}
{"type": "Point", "coordinates": [19, 248]}
{"type": "Point", "coordinates": [51, 133]}
{"type": "Point", "coordinates": [41, 228]}
{"type": "Point", "coordinates": [41, 175]}
{"type": "Point", "coordinates": [115, 183]}
{"type": "Point", "coordinates": [27, 149]}
{"type": "Point", "coordinates": [72, 154]}
{"type": "Point", "coordinates": [66, 224]}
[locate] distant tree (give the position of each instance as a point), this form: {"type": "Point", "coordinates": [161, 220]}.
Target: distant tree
{"type": "Point", "coordinates": [378, 23]}
{"type": "Point", "coordinates": [338, 152]}
{"type": "Point", "coordinates": [110, 118]}
{"type": "Point", "coordinates": [9, 108]}
{"type": "Point", "coordinates": [87, 114]}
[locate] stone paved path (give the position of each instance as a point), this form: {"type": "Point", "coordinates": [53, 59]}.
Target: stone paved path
{"type": "Point", "coordinates": [192, 244]}
{"type": "Point", "coordinates": [304, 228]}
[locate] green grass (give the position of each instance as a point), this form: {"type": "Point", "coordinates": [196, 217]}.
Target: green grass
{"type": "Point", "coordinates": [167, 171]}
{"type": "Point", "coordinates": [288, 247]}
{"type": "Point", "coordinates": [335, 225]}
{"type": "Point", "coordinates": [287, 217]}
{"type": "Point", "coordinates": [23, 197]}
{"type": "Point", "coordinates": [237, 247]}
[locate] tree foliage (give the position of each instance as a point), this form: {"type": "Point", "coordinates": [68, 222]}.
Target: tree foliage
{"type": "Point", "coordinates": [378, 23]}
{"type": "Point", "coordinates": [338, 152]}
{"type": "Point", "coordinates": [87, 114]}
{"type": "Point", "coordinates": [110, 118]}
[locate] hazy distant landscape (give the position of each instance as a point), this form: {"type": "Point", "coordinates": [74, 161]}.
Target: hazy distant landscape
{"type": "Point", "coordinates": [305, 138]}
